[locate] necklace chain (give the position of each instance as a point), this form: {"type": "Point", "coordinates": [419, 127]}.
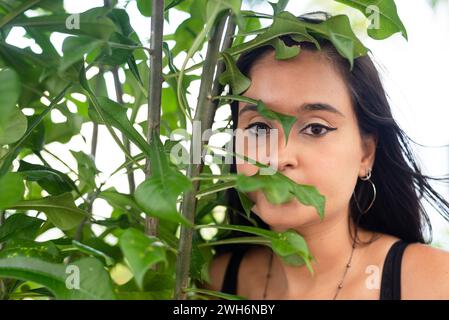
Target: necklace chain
{"type": "Point", "coordinates": [340, 284]}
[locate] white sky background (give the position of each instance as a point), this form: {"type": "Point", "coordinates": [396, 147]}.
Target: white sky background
{"type": "Point", "coordinates": [415, 75]}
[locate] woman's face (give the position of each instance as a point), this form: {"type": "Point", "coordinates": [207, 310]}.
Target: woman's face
{"type": "Point", "coordinates": [311, 89]}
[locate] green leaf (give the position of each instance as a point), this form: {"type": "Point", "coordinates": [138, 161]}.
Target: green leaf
{"type": "Point", "coordinates": [200, 259]}
{"type": "Point", "coordinates": [114, 56]}
{"type": "Point", "coordinates": [119, 200]}
{"type": "Point", "coordinates": [282, 51]}
{"type": "Point", "coordinates": [274, 188]}
{"type": "Point", "coordinates": [12, 189]}
{"type": "Point", "coordinates": [94, 281]}
{"type": "Point", "coordinates": [36, 138]}
{"type": "Point", "coordinates": [74, 49]}
{"type": "Point", "coordinates": [232, 76]}
{"type": "Point", "coordinates": [14, 151]}
{"type": "Point", "coordinates": [285, 120]}
{"type": "Point", "coordinates": [309, 196]}
{"type": "Point", "coordinates": [12, 121]}
{"type": "Point", "coordinates": [109, 261]}
{"type": "Point", "coordinates": [185, 34]}
{"type": "Point", "coordinates": [246, 202]}
{"type": "Point", "coordinates": [338, 30]}
{"type": "Point", "coordinates": [121, 19]}
{"type": "Point", "coordinates": [385, 11]}
{"type": "Point", "coordinates": [93, 23]}
{"type": "Point", "coordinates": [20, 226]}
{"type": "Point", "coordinates": [115, 115]}
{"type": "Point", "coordinates": [13, 128]}
{"type": "Point", "coordinates": [141, 252]}
{"type": "Point", "coordinates": [249, 24]}
{"type": "Point", "coordinates": [47, 250]}
{"type": "Point", "coordinates": [281, 189]}
{"type": "Point", "coordinates": [51, 180]}
{"type": "Point", "coordinates": [289, 245]}
{"type": "Point", "coordinates": [215, 7]}
{"type": "Point", "coordinates": [157, 195]}
{"type": "Point", "coordinates": [64, 131]}
{"type": "Point", "coordinates": [160, 283]}
{"type": "Point", "coordinates": [145, 7]}
{"type": "Point", "coordinates": [283, 24]}
{"type": "Point", "coordinates": [12, 13]}
{"type": "Point", "coordinates": [60, 210]}
{"type": "Point", "coordinates": [208, 189]}
{"type": "Point", "coordinates": [86, 170]}
{"type": "Point", "coordinates": [279, 6]}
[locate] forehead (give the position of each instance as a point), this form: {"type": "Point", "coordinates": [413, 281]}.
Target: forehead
{"type": "Point", "coordinates": [310, 77]}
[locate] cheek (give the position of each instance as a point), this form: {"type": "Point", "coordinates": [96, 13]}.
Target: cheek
{"type": "Point", "coordinates": [246, 168]}
{"type": "Point", "coordinates": [334, 172]}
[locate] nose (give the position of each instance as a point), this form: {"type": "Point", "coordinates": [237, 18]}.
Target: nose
{"type": "Point", "coordinates": [286, 157]}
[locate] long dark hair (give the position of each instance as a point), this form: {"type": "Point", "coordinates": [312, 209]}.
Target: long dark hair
{"type": "Point", "coordinates": [400, 184]}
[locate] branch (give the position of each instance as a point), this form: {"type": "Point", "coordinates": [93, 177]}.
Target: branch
{"type": "Point", "coordinates": [119, 97]}
{"type": "Point", "coordinates": [17, 12]}
{"type": "Point", "coordinates": [155, 91]}
{"type": "Point", "coordinates": [205, 112]}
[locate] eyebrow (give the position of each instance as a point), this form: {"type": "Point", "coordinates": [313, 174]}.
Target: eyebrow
{"type": "Point", "coordinates": [306, 107]}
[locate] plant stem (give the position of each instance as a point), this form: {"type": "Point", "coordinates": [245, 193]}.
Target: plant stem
{"type": "Point", "coordinates": [205, 113]}
{"type": "Point", "coordinates": [155, 92]}
{"type": "Point", "coordinates": [39, 155]}
{"type": "Point", "coordinates": [93, 151]}
{"type": "Point", "coordinates": [94, 143]}
{"type": "Point", "coordinates": [119, 97]}
{"type": "Point", "coordinates": [2, 220]}
{"type": "Point", "coordinates": [61, 161]}
{"type": "Point", "coordinates": [35, 123]}
{"type": "Point", "coordinates": [14, 14]}
{"type": "Point", "coordinates": [3, 289]}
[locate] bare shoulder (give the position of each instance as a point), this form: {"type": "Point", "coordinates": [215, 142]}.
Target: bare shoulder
{"type": "Point", "coordinates": [425, 272]}
{"type": "Point", "coordinates": [217, 269]}
{"type": "Point", "coordinates": [250, 269]}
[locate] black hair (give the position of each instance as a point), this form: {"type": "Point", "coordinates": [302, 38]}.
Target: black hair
{"type": "Point", "coordinates": [400, 184]}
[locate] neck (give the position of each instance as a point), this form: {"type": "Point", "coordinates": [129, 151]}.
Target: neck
{"type": "Point", "coordinates": [330, 243]}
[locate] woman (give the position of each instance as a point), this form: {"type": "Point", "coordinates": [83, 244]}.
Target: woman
{"type": "Point", "coordinates": [371, 243]}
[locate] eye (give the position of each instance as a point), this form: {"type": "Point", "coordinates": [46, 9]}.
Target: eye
{"type": "Point", "coordinates": [316, 129]}
{"type": "Point", "coordinates": [257, 127]}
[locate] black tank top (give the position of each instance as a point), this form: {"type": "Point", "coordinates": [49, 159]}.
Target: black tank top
{"type": "Point", "coordinates": [391, 274]}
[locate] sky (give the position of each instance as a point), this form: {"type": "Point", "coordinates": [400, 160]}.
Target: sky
{"type": "Point", "coordinates": [415, 75]}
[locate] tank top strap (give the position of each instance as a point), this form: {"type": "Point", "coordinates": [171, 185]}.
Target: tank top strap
{"type": "Point", "coordinates": [391, 273]}
{"type": "Point", "coordinates": [231, 276]}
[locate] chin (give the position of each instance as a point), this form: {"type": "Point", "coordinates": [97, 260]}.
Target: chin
{"type": "Point", "coordinates": [280, 217]}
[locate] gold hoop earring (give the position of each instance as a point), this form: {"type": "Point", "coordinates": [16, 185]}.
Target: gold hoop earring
{"type": "Point", "coordinates": [366, 178]}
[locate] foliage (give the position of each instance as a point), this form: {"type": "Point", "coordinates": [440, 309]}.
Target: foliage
{"type": "Point", "coordinates": [36, 198]}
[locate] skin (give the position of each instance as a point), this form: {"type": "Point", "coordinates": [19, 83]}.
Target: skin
{"type": "Point", "coordinates": [332, 161]}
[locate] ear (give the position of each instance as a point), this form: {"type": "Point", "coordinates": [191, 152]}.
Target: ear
{"type": "Point", "coordinates": [369, 144]}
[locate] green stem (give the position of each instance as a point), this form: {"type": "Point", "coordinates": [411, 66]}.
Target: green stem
{"type": "Point", "coordinates": [124, 46]}
{"type": "Point", "coordinates": [60, 160]}
{"type": "Point", "coordinates": [236, 98]}
{"type": "Point", "coordinates": [213, 177]}
{"type": "Point", "coordinates": [251, 240]}
{"type": "Point", "coordinates": [14, 150]}
{"type": "Point", "coordinates": [205, 113]}
{"type": "Point", "coordinates": [126, 143]}
{"type": "Point", "coordinates": [215, 189]}
{"type": "Point", "coordinates": [21, 9]}
{"type": "Point", "coordinates": [155, 94]}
